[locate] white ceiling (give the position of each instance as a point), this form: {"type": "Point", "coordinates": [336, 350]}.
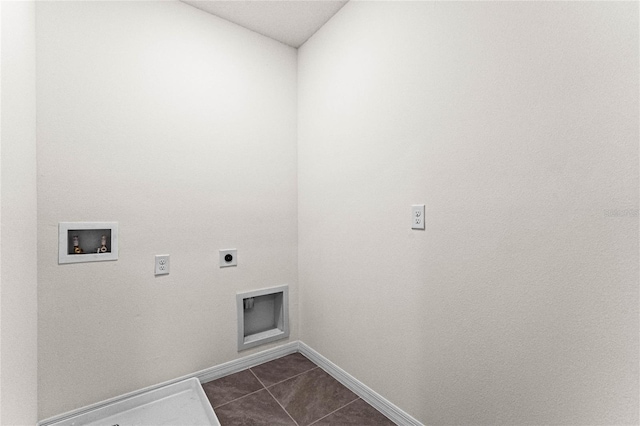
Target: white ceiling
{"type": "Point", "coordinates": [291, 22]}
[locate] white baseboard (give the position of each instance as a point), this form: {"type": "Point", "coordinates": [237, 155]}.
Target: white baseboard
{"type": "Point", "coordinates": [374, 399]}
{"type": "Point", "coordinates": [248, 361]}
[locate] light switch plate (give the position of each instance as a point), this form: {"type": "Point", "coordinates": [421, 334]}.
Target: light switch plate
{"type": "Point", "coordinates": [417, 216]}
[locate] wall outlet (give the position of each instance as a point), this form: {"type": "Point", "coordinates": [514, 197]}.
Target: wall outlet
{"type": "Point", "coordinates": [417, 216]}
{"type": "Point", "coordinates": [162, 264]}
{"type": "Point", "coordinates": [228, 257]}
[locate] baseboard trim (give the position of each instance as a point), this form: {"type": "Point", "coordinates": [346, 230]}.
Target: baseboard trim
{"type": "Point", "coordinates": [374, 399]}
{"type": "Point", "coordinates": [363, 391]}
{"type": "Point", "coordinates": [248, 361]}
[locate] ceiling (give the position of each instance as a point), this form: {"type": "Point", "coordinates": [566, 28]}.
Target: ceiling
{"type": "Point", "coordinates": [291, 22]}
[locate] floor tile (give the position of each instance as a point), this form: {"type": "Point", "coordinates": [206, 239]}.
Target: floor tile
{"type": "Point", "coordinates": [358, 413]}
{"type": "Point", "coordinates": [257, 409]}
{"type": "Point", "coordinates": [231, 387]}
{"type": "Point", "coordinates": [311, 396]}
{"type": "Point", "coordinates": [283, 368]}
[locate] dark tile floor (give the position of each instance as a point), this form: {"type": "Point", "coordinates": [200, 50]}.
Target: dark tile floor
{"type": "Point", "coordinates": [288, 391]}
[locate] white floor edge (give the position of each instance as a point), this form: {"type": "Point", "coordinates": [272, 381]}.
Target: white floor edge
{"type": "Point", "coordinates": [374, 399]}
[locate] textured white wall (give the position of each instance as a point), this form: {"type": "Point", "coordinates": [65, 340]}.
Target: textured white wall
{"type": "Point", "coordinates": [18, 277]}
{"type": "Point", "coordinates": [181, 127]}
{"type": "Point", "coordinates": [516, 123]}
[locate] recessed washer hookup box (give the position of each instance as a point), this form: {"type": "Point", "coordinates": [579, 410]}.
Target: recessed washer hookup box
{"type": "Point", "coordinates": [183, 403]}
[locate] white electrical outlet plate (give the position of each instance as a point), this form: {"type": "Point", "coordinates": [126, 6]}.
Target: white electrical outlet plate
{"type": "Point", "coordinates": [228, 257]}
{"type": "Point", "coordinates": [162, 264]}
{"type": "Point", "coordinates": [417, 216]}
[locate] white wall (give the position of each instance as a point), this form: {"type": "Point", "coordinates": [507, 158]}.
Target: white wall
{"type": "Point", "coordinates": [517, 125]}
{"type": "Point", "coordinates": [18, 268]}
{"type": "Point", "coordinates": [181, 127]}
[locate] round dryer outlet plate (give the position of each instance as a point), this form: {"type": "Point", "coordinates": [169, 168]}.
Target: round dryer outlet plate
{"type": "Point", "coordinates": [228, 257]}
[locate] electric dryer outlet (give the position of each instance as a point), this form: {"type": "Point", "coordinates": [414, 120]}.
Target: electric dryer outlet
{"type": "Point", "coordinates": [228, 257]}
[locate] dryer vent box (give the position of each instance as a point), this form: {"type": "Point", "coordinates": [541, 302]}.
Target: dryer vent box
{"type": "Point", "coordinates": [263, 316]}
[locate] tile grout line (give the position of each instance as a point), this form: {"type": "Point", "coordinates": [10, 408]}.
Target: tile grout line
{"type": "Point", "coordinates": [292, 377]}
{"type": "Point", "coordinates": [240, 397]}
{"type": "Point", "coordinates": [263, 386]}
{"type": "Point", "coordinates": [334, 411]}
{"type": "Point", "coordinates": [284, 409]}
{"type": "Point", "coordinates": [274, 398]}
{"type": "Point", "coordinates": [257, 378]}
